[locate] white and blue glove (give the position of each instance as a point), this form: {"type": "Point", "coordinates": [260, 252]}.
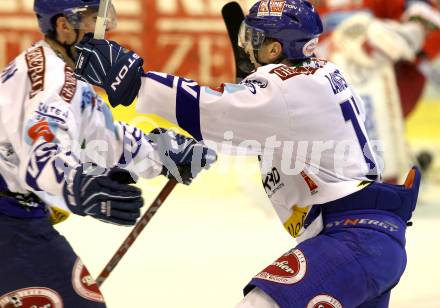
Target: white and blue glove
{"type": "Point", "coordinates": [182, 157]}
{"type": "Point", "coordinates": [108, 65]}
{"type": "Point", "coordinates": [105, 195]}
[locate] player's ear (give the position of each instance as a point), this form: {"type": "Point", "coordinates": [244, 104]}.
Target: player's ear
{"type": "Point", "coordinates": [63, 29]}
{"type": "Point", "coordinates": [275, 50]}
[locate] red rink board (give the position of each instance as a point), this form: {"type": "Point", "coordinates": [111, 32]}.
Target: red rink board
{"type": "Point", "coordinates": [182, 37]}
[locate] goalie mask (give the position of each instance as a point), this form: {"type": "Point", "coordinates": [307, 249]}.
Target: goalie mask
{"type": "Point", "coordinates": [293, 23]}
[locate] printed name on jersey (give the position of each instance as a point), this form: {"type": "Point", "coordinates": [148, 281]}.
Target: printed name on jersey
{"type": "Point", "coordinates": [296, 221]}
{"type": "Point", "coordinates": [309, 68]}
{"type": "Point", "coordinates": [69, 88]}
{"type": "Point", "coordinates": [31, 297]}
{"type": "Point", "coordinates": [324, 301]}
{"type": "Point", "coordinates": [271, 8]}
{"type": "Point", "coordinates": [290, 268]}
{"type": "Point", "coordinates": [337, 81]}
{"type": "Point", "coordinates": [84, 284]}
{"type": "Point", "coordinates": [8, 72]}
{"type": "Point", "coordinates": [36, 64]}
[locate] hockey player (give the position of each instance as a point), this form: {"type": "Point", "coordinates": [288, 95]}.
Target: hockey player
{"type": "Point", "coordinates": [54, 131]}
{"type": "Point", "coordinates": [306, 124]}
{"type": "Point", "coordinates": [384, 47]}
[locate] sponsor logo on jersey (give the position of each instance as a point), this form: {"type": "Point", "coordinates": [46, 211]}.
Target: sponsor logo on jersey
{"type": "Point", "coordinates": [337, 81]}
{"type": "Point", "coordinates": [56, 115]}
{"type": "Point", "coordinates": [290, 268]}
{"type": "Point", "coordinates": [39, 130]}
{"type": "Point", "coordinates": [386, 225]}
{"type": "Point", "coordinates": [296, 221]}
{"type": "Point", "coordinates": [69, 87]}
{"type": "Point", "coordinates": [313, 187]}
{"type": "Point", "coordinates": [285, 72]}
{"type": "Point", "coordinates": [271, 182]}
{"type": "Point", "coordinates": [84, 284]}
{"type": "Point", "coordinates": [57, 215]}
{"type": "Point", "coordinates": [31, 297]}
{"type": "Point", "coordinates": [271, 8]}
{"type": "Point", "coordinates": [36, 64]}
{"type": "Point", "coordinates": [324, 301]}
{"type": "Point", "coordinates": [251, 84]}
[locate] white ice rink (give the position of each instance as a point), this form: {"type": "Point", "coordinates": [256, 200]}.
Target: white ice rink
{"type": "Point", "coordinates": [208, 240]}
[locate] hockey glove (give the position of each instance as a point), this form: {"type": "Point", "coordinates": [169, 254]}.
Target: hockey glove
{"type": "Point", "coordinates": [182, 157]}
{"type": "Point", "coordinates": [105, 195]}
{"type": "Point", "coordinates": [108, 65]}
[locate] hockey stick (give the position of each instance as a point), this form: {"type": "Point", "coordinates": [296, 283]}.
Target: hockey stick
{"type": "Point", "coordinates": [101, 20]}
{"type": "Point", "coordinates": [233, 16]}
{"type": "Point", "coordinates": [140, 225]}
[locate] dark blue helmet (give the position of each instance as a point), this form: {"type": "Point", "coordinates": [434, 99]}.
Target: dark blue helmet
{"type": "Point", "coordinates": [47, 9]}
{"type": "Point", "coordinates": [294, 23]}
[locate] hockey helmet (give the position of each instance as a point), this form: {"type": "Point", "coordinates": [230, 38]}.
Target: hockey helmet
{"type": "Point", "coordinates": [73, 10]}
{"type": "Point", "coordinates": [293, 23]}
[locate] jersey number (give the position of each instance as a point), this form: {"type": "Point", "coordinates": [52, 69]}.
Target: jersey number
{"type": "Point", "coordinates": [350, 115]}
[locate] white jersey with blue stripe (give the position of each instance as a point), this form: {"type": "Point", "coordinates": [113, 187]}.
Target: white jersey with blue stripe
{"type": "Point", "coordinates": [50, 121]}
{"type": "Point", "coordinates": [305, 123]}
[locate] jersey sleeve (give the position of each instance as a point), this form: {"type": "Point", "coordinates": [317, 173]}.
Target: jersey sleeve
{"type": "Point", "coordinates": [109, 143]}
{"type": "Point", "coordinates": [247, 115]}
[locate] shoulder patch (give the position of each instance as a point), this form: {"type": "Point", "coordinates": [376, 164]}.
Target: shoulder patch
{"type": "Point", "coordinates": [36, 64]}
{"type": "Point", "coordinates": [69, 88]}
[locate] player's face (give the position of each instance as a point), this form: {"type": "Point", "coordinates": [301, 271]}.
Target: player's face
{"type": "Point", "coordinates": [88, 20]}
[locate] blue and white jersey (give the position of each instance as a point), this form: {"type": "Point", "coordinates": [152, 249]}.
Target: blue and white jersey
{"type": "Point", "coordinates": [305, 123]}
{"type": "Point", "coordinates": [50, 121]}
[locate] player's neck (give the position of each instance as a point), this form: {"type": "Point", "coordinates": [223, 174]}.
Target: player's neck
{"type": "Point", "coordinates": [60, 51]}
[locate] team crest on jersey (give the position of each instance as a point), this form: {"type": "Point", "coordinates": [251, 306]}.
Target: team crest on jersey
{"type": "Point", "coordinates": [290, 268]}
{"type": "Point", "coordinates": [271, 8]}
{"type": "Point", "coordinates": [324, 301]}
{"type": "Point", "coordinates": [36, 64]}
{"type": "Point", "coordinates": [84, 284]}
{"type": "Point", "coordinates": [30, 298]}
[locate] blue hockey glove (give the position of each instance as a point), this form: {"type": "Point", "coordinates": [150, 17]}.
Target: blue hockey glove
{"type": "Point", "coordinates": [182, 157]}
{"type": "Point", "coordinates": [105, 195]}
{"type": "Point", "coordinates": [108, 65]}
